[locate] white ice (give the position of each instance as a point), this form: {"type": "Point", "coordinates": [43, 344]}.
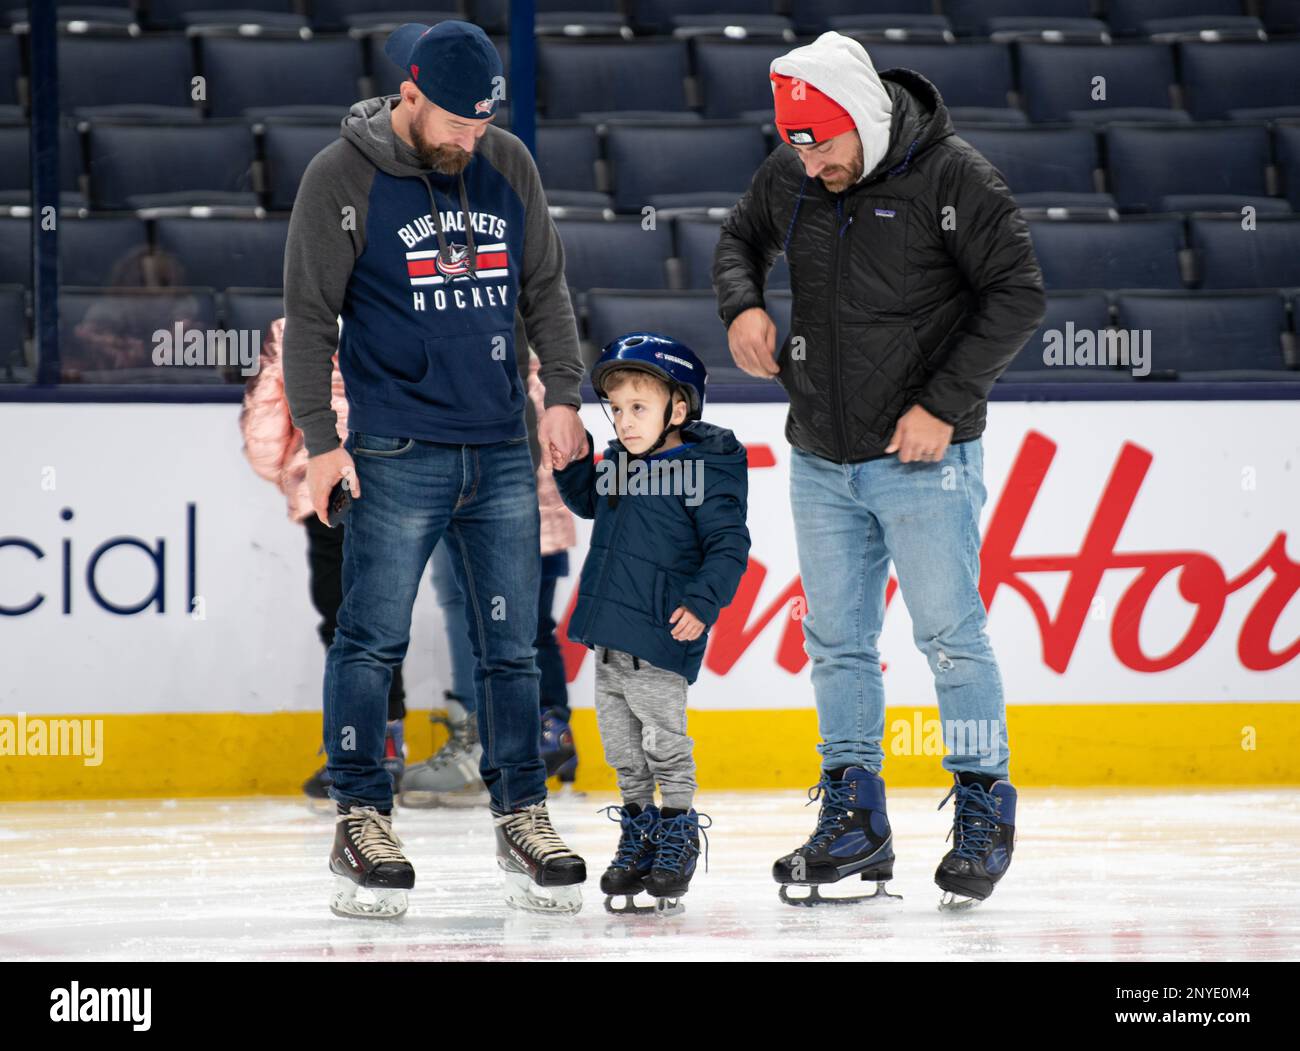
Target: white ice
{"type": "Point", "coordinates": [1097, 875]}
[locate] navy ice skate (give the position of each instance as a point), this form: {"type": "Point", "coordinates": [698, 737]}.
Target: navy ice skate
{"type": "Point", "coordinates": [984, 835]}
{"type": "Point", "coordinates": [852, 838]}
{"type": "Point", "coordinates": [677, 850]}
{"type": "Point", "coordinates": [625, 877]}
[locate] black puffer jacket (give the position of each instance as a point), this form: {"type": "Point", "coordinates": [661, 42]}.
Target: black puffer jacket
{"type": "Point", "coordinates": [917, 285]}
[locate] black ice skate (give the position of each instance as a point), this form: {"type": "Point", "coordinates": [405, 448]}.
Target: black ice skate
{"type": "Point", "coordinates": [677, 849]}
{"type": "Point", "coordinates": [633, 859]}
{"type": "Point", "coordinates": [852, 838]}
{"type": "Point", "coordinates": [541, 873]}
{"type": "Point", "coordinates": [984, 835]}
{"type": "Point", "coordinates": [373, 874]}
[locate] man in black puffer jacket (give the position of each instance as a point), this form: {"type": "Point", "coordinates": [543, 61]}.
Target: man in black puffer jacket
{"type": "Point", "coordinates": [914, 285]}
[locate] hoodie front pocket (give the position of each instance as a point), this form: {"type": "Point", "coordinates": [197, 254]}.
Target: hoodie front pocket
{"type": "Point", "coordinates": [465, 375]}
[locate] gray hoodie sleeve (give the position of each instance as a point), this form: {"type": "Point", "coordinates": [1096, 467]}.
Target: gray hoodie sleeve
{"type": "Point", "coordinates": [326, 235]}
{"type": "Point", "coordinates": [544, 300]}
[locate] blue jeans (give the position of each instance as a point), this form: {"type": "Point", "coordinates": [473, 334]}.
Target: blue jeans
{"type": "Point", "coordinates": [483, 499]}
{"type": "Point", "coordinates": [850, 521]}
{"type": "Point", "coordinates": [456, 621]}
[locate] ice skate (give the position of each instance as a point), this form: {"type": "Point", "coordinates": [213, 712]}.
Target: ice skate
{"type": "Point", "coordinates": [317, 790]}
{"type": "Point", "coordinates": [450, 777]}
{"type": "Point", "coordinates": [984, 836]}
{"type": "Point", "coordinates": [677, 849]}
{"type": "Point", "coordinates": [373, 874]}
{"type": "Point", "coordinates": [852, 838]}
{"type": "Point", "coordinates": [541, 873]}
{"type": "Point", "coordinates": [633, 859]}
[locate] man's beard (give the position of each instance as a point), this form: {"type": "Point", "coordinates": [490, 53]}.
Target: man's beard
{"type": "Point", "coordinates": [446, 160]}
{"type": "Point", "coordinates": [845, 177]}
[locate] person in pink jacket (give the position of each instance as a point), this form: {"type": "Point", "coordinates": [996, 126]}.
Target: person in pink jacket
{"type": "Point", "coordinates": [274, 447]}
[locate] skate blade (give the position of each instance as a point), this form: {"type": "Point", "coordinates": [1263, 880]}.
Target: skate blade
{"type": "Point", "coordinates": [666, 908]}
{"type": "Point", "coordinates": [629, 906]}
{"type": "Point", "coordinates": [522, 893]}
{"type": "Point", "coordinates": [953, 902]}
{"type": "Point", "coordinates": [366, 903]}
{"type": "Point", "coordinates": [322, 807]}
{"type": "Point", "coordinates": [814, 896]}
{"type": "Point", "coordinates": [432, 800]}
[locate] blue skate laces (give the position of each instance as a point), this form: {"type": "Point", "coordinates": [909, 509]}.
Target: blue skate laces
{"type": "Point", "coordinates": [673, 838]}
{"type": "Point", "coordinates": [837, 800]}
{"type": "Point", "coordinates": [635, 830]}
{"type": "Point", "coordinates": [974, 819]}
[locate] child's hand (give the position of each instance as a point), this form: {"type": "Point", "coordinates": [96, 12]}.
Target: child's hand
{"type": "Point", "coordinates": [689, 626]}
{"type": "Point", "coordinates": [559, 463]}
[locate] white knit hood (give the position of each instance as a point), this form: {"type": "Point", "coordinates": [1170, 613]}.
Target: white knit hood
{"type": "Point", "coordinates": [839, 67]}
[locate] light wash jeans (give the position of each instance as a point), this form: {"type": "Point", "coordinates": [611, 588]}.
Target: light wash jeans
{"type": "Point", "coordinates": [850, 521]}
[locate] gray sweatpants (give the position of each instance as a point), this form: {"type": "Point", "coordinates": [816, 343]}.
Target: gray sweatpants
{"type": "Point", "coordinates": [641, 712]}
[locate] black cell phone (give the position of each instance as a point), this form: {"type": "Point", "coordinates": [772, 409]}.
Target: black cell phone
{"type": "Point", "coordinates": [340, 503]}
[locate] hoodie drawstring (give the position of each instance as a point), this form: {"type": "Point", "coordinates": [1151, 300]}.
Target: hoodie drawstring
{"type": "Point", "coordinates": [443, 251]}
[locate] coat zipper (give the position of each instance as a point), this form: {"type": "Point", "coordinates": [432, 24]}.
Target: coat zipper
{"type": "Point", "coordinates": [836, 399]}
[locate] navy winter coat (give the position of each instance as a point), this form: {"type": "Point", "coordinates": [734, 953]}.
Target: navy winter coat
{"type": "Point", "coordinates": [652, 553]}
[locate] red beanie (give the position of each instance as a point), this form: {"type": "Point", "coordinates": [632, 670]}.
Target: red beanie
{"type": "Point", "coordinates": [812, 117]}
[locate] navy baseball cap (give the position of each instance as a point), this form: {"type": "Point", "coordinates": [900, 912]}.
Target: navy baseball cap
{"type": "Point", "coordinates": [453, 64]}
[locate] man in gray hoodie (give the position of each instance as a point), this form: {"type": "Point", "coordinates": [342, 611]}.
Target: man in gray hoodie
{"type": "Point", "coordinates": [426, 230]}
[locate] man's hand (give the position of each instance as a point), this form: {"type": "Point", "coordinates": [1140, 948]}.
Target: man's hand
{"type": "Point", "coordinates": [561, 436]}
{"type": "Point", "coordinates": [323, 473]}
{"type": "Point", "coordinates": [689, 626]}
{"type": "Point", "coordinates": [920, 436]}
{"type": "Point", "coordinates": [751, 338]}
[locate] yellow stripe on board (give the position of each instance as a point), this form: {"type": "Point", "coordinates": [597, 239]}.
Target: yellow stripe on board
{"type": "Point", "coordinates": [205, 754]}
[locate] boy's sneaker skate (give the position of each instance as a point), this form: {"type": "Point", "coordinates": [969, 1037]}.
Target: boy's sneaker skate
{"type": "Point", "coordinates": [449, 777]}
{"type": "Point", "coordinates": [852, 838]}
{"type": "Point", "coordinates": [373, 874]}
{"type": "Point", "coordinates": [677, 849]}
{"type": "Point", "coordinates": [633, 859]}
{"type": "Point", "coordinates": [558, 750]}
{"type": "Point", "coordinates": [984, 836]}
{"type": "Point", "coordinates": [394, 760]}
{"type": "Point", "coordinates": [541, 873]}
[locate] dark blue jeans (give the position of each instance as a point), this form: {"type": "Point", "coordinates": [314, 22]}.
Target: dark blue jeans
{"type": "Point", "coordinates": [484, 499]}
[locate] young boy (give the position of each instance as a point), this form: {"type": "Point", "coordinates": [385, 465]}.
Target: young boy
{"type": "Point", "coordinates": [667, 553]}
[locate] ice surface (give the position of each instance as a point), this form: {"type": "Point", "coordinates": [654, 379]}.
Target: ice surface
{"type": "Point", "coordinates": [1097, 875]}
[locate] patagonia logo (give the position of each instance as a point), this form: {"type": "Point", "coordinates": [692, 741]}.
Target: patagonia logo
{"type": "Point", "coordinates": [885, 213]}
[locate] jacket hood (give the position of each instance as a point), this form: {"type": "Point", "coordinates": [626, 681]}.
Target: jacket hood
{"type": "Point", "coordinates": [920, 119]}
{"type": "Point", "coordinates": [840, 68]}
{"type": "Point", "coordinates": [369, 128]}
{"type": "Point", "coordinates": [717, 446]}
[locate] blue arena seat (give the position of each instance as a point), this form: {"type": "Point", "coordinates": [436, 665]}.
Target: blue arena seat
{"type": "Point", "coordinates": [1230, 256]}
{"type": "Point", "coordinates": [1131, 17]}
{"type": "Point", "coordinates": [733, 75]}
{"type": "Point", "coordinates": [647, 160]}
{"type": "Point", "coordinates": [980, 17]}
{"type": "Point", "coordinates": [1044, 167]}
{"type": "Point", "coordinates": [251, 310]}
{"type": "Point", "coordinates": [971, 77]}
{"type": "Point", "coordinates": [1286, 139]}
{"type": "Point", "coordinates": [1068, 315]}
{"type": "Point", "coordinates": [1058, 81]}
{"type": "Point", "coordinates": [697, 239]}
{"type": "Point", "coordinates": [137, 76]}
{"type": "Point", "coordinates": [288, 148]}
{"type": "Point", "coordinates": [816, 16]}
{"type": "Point", "coordinates": [254, 77]}
{"type": "Point", "coordinates": [593, 77]}
{"type": "Point", "coordinates": [615, 253]}
{"type": "Point", "coordinates": [1242, 81]}
{"type": "Point", "coordinates": [146, 165]}
{"type": "Point", "coordinates": [177, 14]}
{"type": "Point", "coordinates": [1182, 167]}
{"type": "Point", "coordinates": [225, 253]}
{"type": "Point", "coordinates": [1208, 336]}
{"type": "Point", "coordinates": [1134, 253]}
{"type": "Point", "coordinates": [92, 250]}
{"type": "Point", "coordinates": [567, 155]}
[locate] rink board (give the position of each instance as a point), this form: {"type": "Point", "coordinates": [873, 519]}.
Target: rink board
{"type": "Point", "coordinates": [1138, 562]}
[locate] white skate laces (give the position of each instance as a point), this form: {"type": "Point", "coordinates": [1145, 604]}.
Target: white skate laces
{"type": "Point", "coordinates": [375, 837]}
{"type": "Point", "coordinates": [531, 828]}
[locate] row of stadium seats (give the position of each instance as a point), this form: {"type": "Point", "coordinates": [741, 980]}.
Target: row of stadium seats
{"type": "Point", "coordinates": [1155, 252]}
{"type": "Point", "coordinates": [105, 334]}
{"type": "Point", "coordinates": [968, 17]}
{"type": "Point", "coordinates": [152, 77]}
{"type": "Point", "coordinates": [624, 167]}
